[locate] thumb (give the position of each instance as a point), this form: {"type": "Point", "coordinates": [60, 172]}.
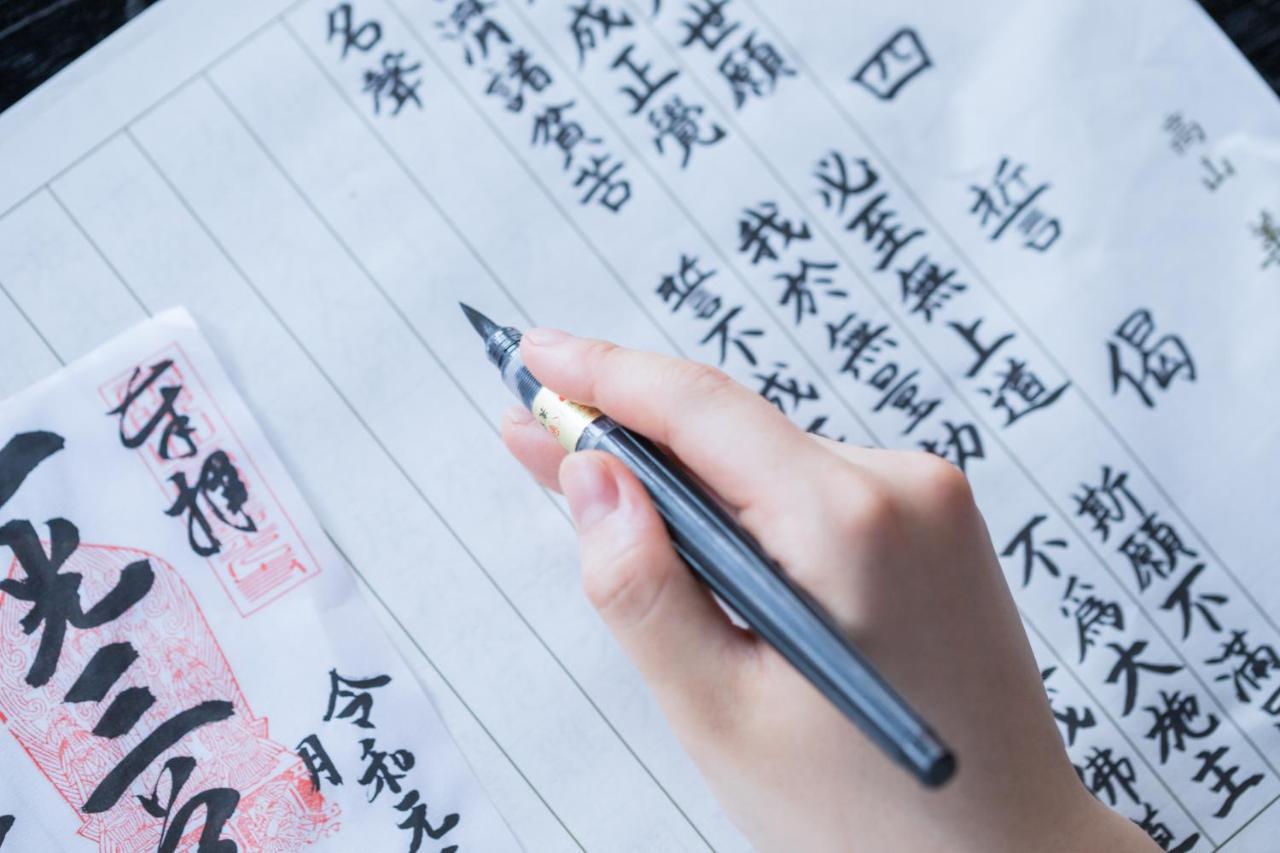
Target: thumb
{"type": "Point", "coordinates": [665, 620]}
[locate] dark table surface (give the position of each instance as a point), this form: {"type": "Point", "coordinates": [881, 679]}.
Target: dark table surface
{"type": "Point", "coordinates": [37, 37]}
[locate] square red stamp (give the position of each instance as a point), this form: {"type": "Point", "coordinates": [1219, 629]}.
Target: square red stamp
{"type": "Point", "coordinates": [166, 413]}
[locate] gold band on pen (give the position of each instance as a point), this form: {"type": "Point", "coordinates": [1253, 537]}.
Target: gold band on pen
{"type": "Point", "coordinates": [563, 418]}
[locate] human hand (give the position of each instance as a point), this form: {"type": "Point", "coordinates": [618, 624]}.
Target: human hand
{"type": "Point", "coordinates": [892, 545]}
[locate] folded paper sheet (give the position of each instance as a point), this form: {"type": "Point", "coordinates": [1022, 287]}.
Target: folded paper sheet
{"type": "Point", "coordinates": [1039, 239]}
{"type": "Point", "coordinates": [186, 658]}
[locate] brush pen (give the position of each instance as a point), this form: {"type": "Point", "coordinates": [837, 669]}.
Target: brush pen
{"type": "Point", "coordinates": [730, 561]}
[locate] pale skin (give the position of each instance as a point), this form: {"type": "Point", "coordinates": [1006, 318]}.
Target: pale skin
{"type": "Point", "coordinates": [891, 543]}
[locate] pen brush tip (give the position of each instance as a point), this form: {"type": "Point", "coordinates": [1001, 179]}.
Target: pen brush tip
{"type": "Point", "coordinates": [483, 325]}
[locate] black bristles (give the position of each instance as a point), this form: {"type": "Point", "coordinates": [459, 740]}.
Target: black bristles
{"type": "Point", "coordinates": [483, 325]}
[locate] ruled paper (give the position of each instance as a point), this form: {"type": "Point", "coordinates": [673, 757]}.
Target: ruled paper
{"type": "Point", "coordinates": [1038, 241]}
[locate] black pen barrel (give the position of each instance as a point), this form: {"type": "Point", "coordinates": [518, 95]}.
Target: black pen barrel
{"type": "Point", "coordinates": [730, 561]}
{"type": "Point", "coordinates": [737, 569]}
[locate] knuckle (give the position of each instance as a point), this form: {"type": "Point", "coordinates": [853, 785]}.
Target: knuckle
{"type": "Point", "coordinates": [940, 485]}
{"type": "Point", "coordinates": [868, 510]}
{"type": "Point", "coordinates": [600, 358]}
{"type": "Point", "coordinates": [623, 587]}
{"type": "Point", "coordinates": [698, 380]}
{"type": "Point", "coordinates": [598, 351]}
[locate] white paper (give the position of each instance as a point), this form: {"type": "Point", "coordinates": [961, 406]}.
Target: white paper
{"type": "Point", "coordinates": [238, 615]}
{"type": "Point", "coordinates": [1066, 167]}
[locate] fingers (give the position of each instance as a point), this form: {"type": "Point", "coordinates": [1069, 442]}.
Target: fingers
{"type": "Point", "coordinates": [669, 625]}
{"type": "Point", "coordinates": [923, 482]}
{"type": "Point", "coordinates": [532, 446]}
{"type": "Point", "coordinates": [742, 446]}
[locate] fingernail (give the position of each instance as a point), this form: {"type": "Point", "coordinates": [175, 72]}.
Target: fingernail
{"type": "Point", "coordinates": [545, 337]}
{"type": "Point", "coordinates": [518, 416]}
{"type": "Point", "coordinates": [589, 488]}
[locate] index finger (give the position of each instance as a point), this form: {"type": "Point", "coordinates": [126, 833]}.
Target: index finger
{"type": "Point", "coordinates": [735, 440]}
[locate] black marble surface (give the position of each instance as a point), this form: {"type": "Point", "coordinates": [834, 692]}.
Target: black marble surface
{"type": "Point", "coordinates": [37, 37]}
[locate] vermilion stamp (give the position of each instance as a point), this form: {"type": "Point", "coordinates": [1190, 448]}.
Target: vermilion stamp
{"type": "Point", "coordinates": [134, 700]}
{"type": "Point", "coordinates": [147, 702]}
{"type": "Point", "coordinates": [233, 518]}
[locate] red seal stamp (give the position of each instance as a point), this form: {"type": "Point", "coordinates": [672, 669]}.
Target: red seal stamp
{"type": "Point", "coordinates": [234, 520]}
{"type": "Point", "coordinates": [123, 703]}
